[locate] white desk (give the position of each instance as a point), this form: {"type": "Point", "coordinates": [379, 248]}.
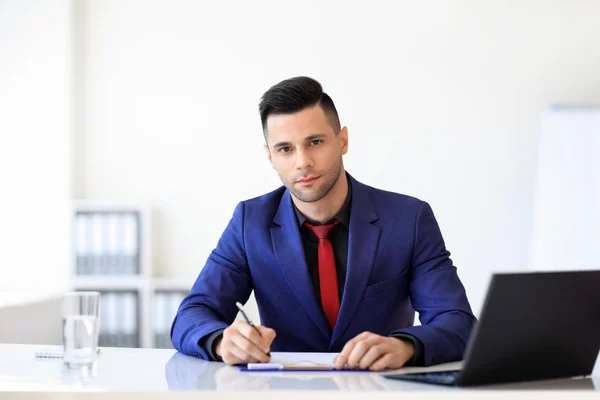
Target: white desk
{"type": "Point", "coordinates": [150, 370]}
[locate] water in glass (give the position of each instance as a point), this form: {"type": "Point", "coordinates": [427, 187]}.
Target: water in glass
{"type": "Point", "coordinates": [80, 339]}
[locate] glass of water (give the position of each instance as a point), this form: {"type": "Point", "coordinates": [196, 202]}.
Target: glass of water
{"type": "Point", "coordinates": [80, 328]}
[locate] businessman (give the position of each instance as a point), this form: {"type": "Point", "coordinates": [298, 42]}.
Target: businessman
{"type": "Point", "coordinates": [335, 265]}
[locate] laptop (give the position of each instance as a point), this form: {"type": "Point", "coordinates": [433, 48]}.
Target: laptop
{"type": "Point", "coordinates": [533, 325]}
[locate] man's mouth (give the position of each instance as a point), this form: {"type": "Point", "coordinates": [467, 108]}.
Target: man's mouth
{"type": "Point", "coordinates": [306, 180]}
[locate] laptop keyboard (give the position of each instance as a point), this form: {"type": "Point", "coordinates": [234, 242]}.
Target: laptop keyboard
{"type": "Point", "coordinates": [439, 378]}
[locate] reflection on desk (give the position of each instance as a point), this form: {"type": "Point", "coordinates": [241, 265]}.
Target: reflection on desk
{"type": "Point", "coordinates": [188, 373]}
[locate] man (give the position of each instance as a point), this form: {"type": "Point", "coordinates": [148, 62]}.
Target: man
{"type": "Point", "coordinates": [335, 265]}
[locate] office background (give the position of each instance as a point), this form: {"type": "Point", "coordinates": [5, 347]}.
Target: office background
{"type": "Point", "coordinates": [155, 102]}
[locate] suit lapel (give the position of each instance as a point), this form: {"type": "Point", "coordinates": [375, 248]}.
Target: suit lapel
{"type": "Point", "coordinates": [362, 247]}
{"type": "Point", "coordinates": [289, 251]}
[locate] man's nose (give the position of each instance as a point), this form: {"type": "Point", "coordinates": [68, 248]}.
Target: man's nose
{"type": "Point", "coordinates": [303, 159]}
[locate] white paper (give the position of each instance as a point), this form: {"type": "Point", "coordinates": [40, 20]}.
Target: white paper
{"type": "Point", "coordinates": [326, 359]}
{"type": "Point", "coordinates": [303, 359]}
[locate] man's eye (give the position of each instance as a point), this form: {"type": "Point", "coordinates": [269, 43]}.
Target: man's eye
{"type": "Point", "coordinates": [315, 142]}
{"type": "Point", "coordinates": [284, 149]}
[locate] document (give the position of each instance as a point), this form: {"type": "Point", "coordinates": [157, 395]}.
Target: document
{"type": "Point", "coordinates": [289, 361]}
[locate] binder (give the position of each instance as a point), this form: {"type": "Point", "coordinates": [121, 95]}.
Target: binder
{"type": "Point", "coordinates": [88, 259]}
{"type": "Point", "coordinates": [120, 239]}
{"type": "Point", "coordinates": [81, 244]}
{"type": "Point", "coordinates": [159, 299]}
{"type": "Point", "coordinates": [130, 319]}
{"type": "Point", "coordinates": [120, 318]}
{"type": "Point", "coordinates": [175, 300]}
{"type": "Point", "coordinates": [165, 311]}
{"type": "Point", "coordinates": [97, 244]}
{"type": "Point", "coordinates": [130, 243]}
{"type": "Point", "coordinates": [103, 314]}
{"type": "Point", "coordinates": [113, 245]}
{"type": "Point", "coordinates": [111, 320]}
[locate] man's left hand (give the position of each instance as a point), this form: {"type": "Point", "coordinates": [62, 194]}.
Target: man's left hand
{"type": "Point", "coordinates": [374, 352]}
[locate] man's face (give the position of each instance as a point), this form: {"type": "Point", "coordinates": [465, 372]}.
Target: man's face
{"type": "Point", "coordinates": [306, 152]}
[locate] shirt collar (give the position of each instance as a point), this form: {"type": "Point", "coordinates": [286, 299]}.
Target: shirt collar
{"type": "Point", "coordinates": [343, 215]}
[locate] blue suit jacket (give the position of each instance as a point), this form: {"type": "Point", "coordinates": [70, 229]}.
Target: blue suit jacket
{"type": "Point", "coordinates": [397, 263]}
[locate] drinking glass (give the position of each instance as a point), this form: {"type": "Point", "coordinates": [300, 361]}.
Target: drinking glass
{"type": "Point", "coordinates": [80, 328]}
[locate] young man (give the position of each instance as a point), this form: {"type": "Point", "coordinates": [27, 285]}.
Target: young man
{"type": "Point", "coordinates": [335, 265]}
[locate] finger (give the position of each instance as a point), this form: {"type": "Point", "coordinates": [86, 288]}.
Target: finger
{"type": "Point", "coordinates": [250, 348]}
{"type": "Point", "coordinates": [383, 363]}
{"type": "Point", "coordinates": [357, 353]}
{"type": "Point", "coordinates": [267, 332]}
{"type": "Point", "coordinates": [360, 337]}
{"type": "Point", "coordinates": [249, 332]}
{"type": "Point", "coordinates": [229, 354]}
{"type": "Point", "coordinates": [268, 335]}
{"type": "Point", "coordinates": [342, 359]}
{"type": "Point", "coordinates": [240, 356]}
{"type": "Point", "coordinates": [360, 350]}
{"type": "Point", "coordinates": [375, 352]}
{"type": "Point", "coordinates": [237, 355]}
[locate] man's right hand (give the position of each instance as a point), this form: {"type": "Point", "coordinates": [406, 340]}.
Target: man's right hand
{"type": "Point", "coordinates": [242, 344]}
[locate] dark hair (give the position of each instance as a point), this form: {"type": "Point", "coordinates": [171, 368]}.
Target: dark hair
{"type": "Point", "coordinates": [296, 94]}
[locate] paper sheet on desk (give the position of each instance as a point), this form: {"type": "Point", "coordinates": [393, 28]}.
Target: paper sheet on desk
{"type": "Point", "coordinates": [295, 361]}
{"type": "Point", "coordinates": [324, 361]}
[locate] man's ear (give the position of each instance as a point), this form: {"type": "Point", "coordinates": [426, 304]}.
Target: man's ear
{"type": "Point", "coordinates": [343, 138]}
{"type": "Point", "coordinates": [266, 147]}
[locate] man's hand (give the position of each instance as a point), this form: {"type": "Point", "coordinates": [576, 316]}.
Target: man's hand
{"type": "Point", "coordinates": [374, 352]}
{"type": "Point", "coordinates": [241, 344]}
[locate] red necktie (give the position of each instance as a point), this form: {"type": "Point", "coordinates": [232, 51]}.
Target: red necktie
{"type": "Point", "coordinates": [328, 282]}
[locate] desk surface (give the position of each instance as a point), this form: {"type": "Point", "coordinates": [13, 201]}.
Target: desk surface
{"type": "Point", "coordinates": [154, 370]}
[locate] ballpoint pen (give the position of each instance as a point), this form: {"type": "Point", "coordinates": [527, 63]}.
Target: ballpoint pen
{"type": "Point", "coordinates": [241, 308]}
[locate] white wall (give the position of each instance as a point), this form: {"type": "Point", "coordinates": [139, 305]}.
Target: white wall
{"type": "Point", "coordinates": [35, 144]}
{"type": "Point", "coordinates": [442, 101]}
{"type": "Point", "coordinates": [27, 318]}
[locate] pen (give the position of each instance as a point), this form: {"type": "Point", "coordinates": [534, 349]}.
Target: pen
{"type": "Point", "coordinates": [239, 306]}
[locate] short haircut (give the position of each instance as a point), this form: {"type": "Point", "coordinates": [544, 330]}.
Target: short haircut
{"type": "Point", "coordinates": [294, 95]}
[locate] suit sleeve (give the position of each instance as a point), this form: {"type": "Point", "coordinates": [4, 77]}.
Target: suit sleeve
{"type": "Point", "coordinates": [210, 305]}
{"type": "Point", "coordinates": [438, 295]}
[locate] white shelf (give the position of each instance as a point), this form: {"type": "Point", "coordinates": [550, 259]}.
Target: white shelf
{"type": "Point", "coordinates": [143, 283]}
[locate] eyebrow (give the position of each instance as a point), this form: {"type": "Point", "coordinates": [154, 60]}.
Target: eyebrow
{"type": "Point", "coordinates": [306, 139]}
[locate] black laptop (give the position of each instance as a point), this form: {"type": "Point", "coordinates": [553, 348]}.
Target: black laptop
{"type": "Point", "coordinates": [534, 325]}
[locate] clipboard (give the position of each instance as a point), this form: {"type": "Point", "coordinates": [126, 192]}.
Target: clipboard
{"type": "Point", "coordinates": [300, 366]}
{"type": "Point", "coordinates": [297, 362]}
